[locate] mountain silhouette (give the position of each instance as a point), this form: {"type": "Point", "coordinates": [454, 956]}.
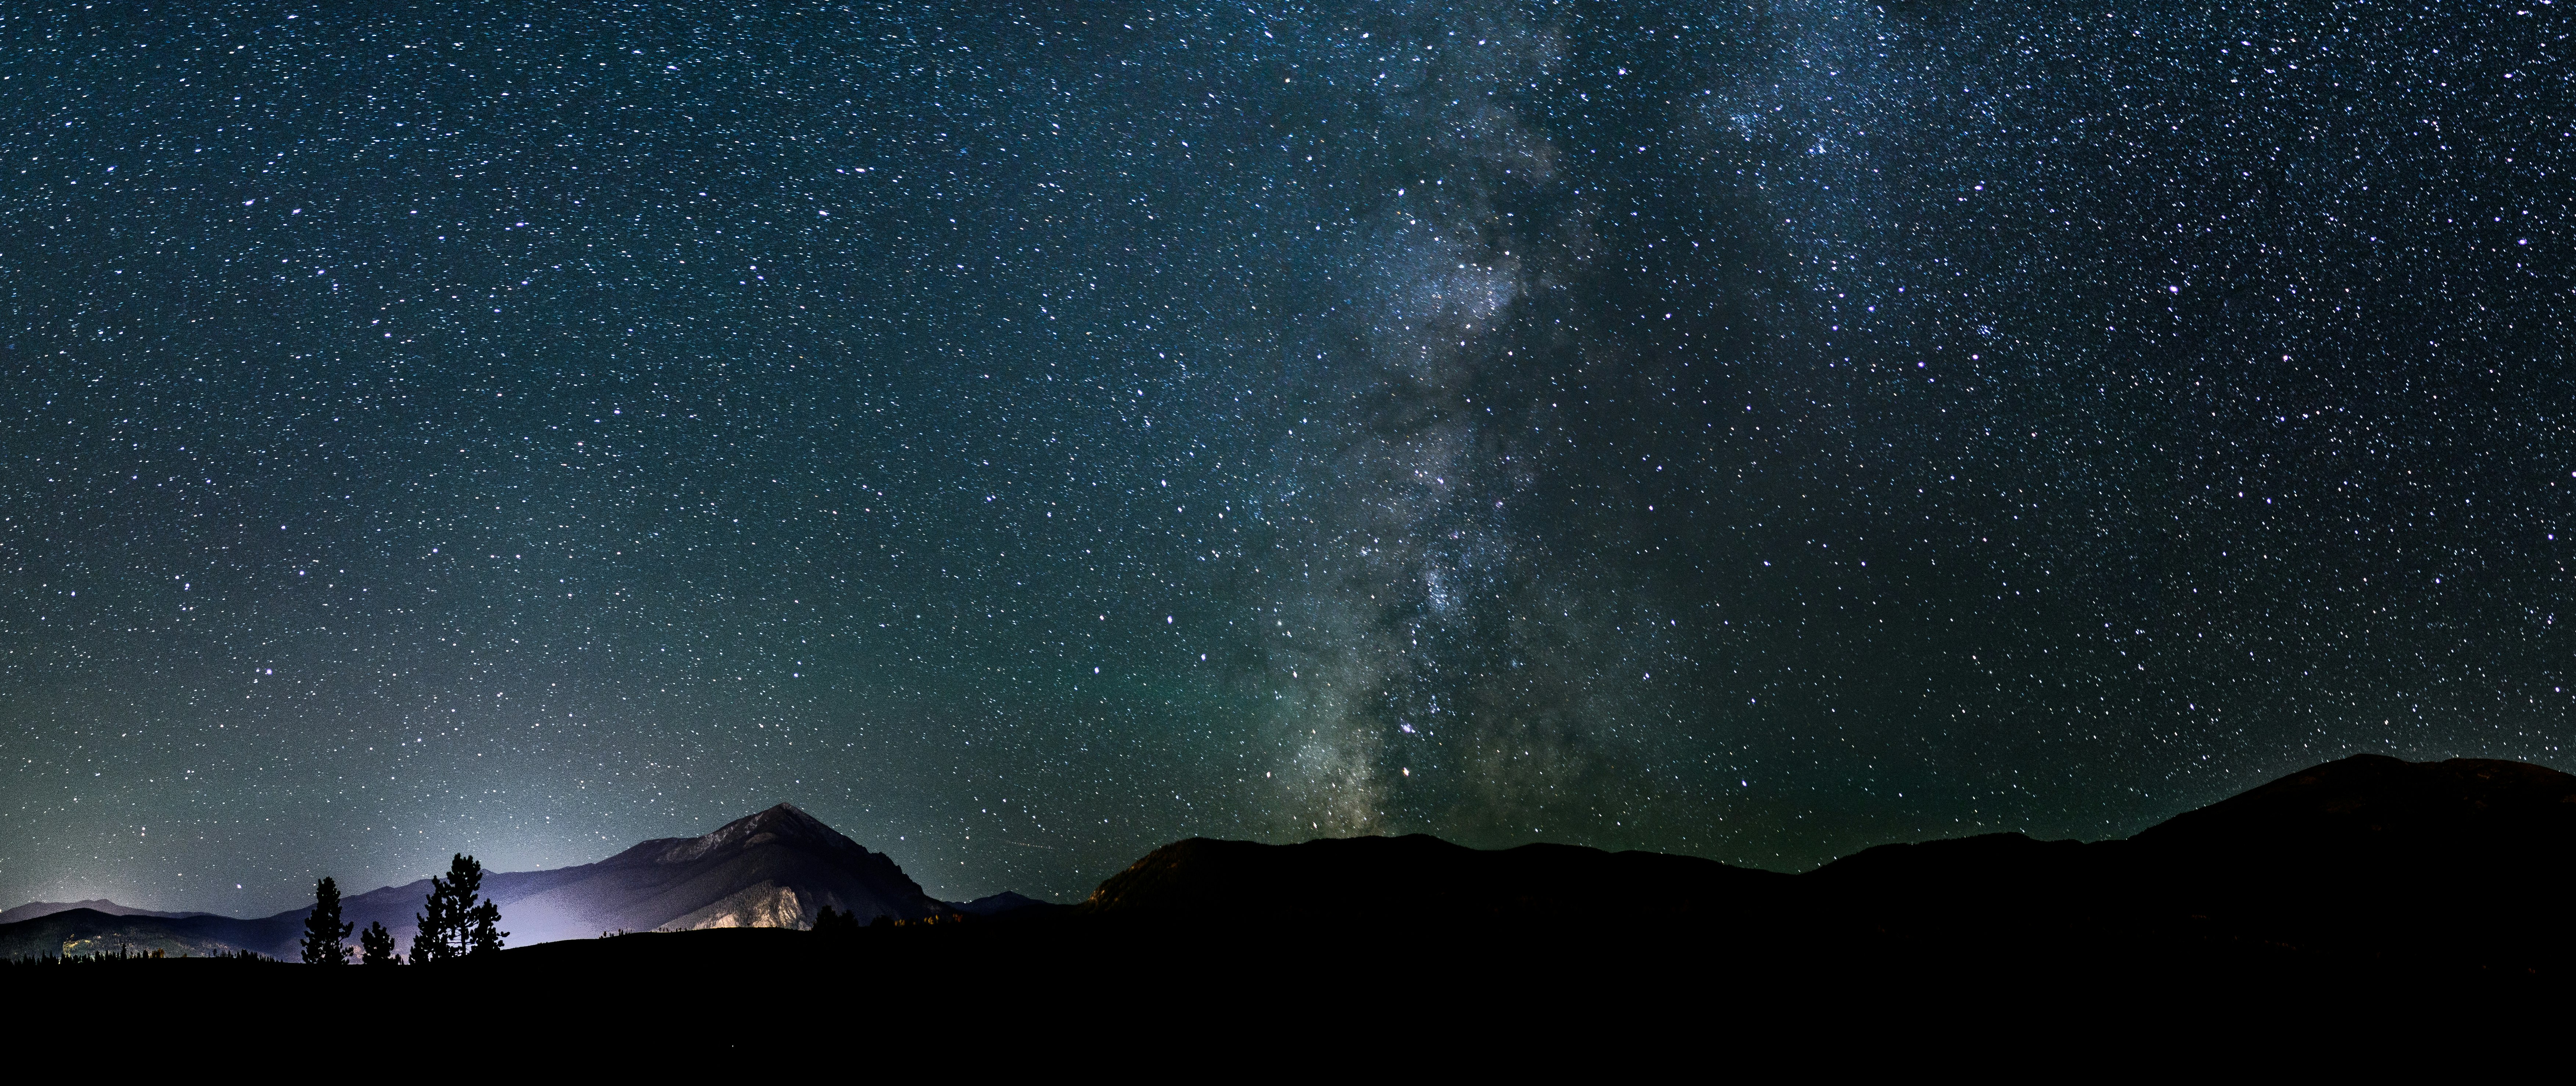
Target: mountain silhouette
{"type": "Point", "coordinates": [2465, 863]}
{"type": "Point", "coordinates": [1415, 878]}
{"type": "Point", "coordinates": [2468, 859]}
{"type": "Point", "coordinates": [1007, 904]}
{"type": "Point", "coordinates": [2370, 806]}
{"type": "Point", "coordinates": [777, 868]}
{"type": "Point", "coordinates": [34, 909]}
{"type": "Point", "coordinates": [2367, 867]}
{"type": "Point", "coordinates": [83, 931]}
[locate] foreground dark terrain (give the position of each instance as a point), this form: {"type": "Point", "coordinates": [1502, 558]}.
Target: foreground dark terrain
{"type": "Point", "coordinates": [2349, 885]}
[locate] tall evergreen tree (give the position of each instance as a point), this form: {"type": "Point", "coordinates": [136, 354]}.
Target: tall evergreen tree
{"type": "Point", "coordinates": [323, 929]}
{"type": "Point", "coordinates": [429, 941]}
{"type": "Point", "coordinates": [376, 946]}
{"type": "Point", "coordinates": [483, 934]}
{"type": "Point", "coordinates": [455, 922]}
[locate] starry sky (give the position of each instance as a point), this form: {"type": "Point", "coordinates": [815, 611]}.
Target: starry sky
{"type": "Point", "coordinates": [1025, 434]}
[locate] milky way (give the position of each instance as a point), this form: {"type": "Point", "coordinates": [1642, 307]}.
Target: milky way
{"type": "Point", "coordinates": [1024, 435]}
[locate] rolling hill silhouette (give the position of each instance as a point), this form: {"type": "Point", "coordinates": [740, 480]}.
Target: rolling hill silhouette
{"type": "Point", "coordinates": [2462, 864]}
{"type": "Point", "coordinates": [2355, 868]}
{"type": "Point", "coordinates": [34, 909]}
{"type": "Point", "coordinates": [1417, 879]}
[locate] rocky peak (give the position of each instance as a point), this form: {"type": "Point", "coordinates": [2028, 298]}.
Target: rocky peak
{"type": "Point", "coordinates": [780, 823]}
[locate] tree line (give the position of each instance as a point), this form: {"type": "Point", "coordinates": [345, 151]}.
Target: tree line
{"type": "Point", "coordinates": [456, 923]}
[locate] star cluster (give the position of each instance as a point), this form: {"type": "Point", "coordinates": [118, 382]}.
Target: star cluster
{"type": "Point", "coordinates": [1026, 434]}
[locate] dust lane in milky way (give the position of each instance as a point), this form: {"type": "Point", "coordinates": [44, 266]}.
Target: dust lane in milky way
{"type": "Point", "coordinates": [1025, 435]}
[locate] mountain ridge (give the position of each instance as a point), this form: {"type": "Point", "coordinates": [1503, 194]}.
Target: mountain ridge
{"type": "Point", "coordinates": [774, 868]}
{"type": "Point", "coordinates": [34, 909]}
{"type": "Point", "coordinates": [2460, 863]}
{"type": "Point", "coordinates": [2463, 861]}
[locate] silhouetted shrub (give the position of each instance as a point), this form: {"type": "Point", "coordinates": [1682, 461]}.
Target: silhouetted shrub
{"type": "Point", "coordinates": [834, 922]}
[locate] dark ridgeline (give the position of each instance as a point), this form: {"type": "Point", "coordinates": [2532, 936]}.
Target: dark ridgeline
{"type": "Point", "coordinates": [84, 932]}
{"type": "Point", "coordinates": [993, 905]}
{"type": "Point", "coordinates": [2463, 864]}
{"type": "Point", "coordinates": [1418, 880]}
{"type": "Point", "coordinates": [2364, 875]}
{"type": "Point", "coordinates": [323, 930]}
{"type": "Point", "coordinates": [34, 909]}
{"type": "Point", "coordinates": [2449, 876]}
{"type": "Point", "coordinates": [455, 921]}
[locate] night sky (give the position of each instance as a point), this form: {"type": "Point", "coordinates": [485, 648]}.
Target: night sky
{"type": "Point", "coordinates": [1023, 435]}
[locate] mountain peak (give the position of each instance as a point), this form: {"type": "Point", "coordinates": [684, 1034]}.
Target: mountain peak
{"type": "Point", "coordinates": [784, 822]}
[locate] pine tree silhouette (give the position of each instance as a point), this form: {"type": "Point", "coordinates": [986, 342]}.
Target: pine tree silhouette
{"type": "Point", "coordinates": [436, 918]}
{"type": "Point", "coordinates": [454, 922]}
{"type": "Point", "coordinates": [483, 934]}
{"type": "Point", "coordinates": [376, 946]}
{"type": "Point", "coordinates": [323, 929]}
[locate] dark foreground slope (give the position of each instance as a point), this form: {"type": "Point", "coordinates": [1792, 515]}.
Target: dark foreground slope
{"type": "Point", "coordinates": [2470, 860]}
{"type": "Point", "coordinates": [2464, 864]}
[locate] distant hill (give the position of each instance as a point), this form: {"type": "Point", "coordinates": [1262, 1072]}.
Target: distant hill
{"type": "Point", "coordinates": [2465, 863]}
{"type": "Point", "coordinates": [776, 868]}
{"type": "Point", "coordinates": [1006, 904]}
{"type": "Point", "coordinates": [1418, 879]}
{"type": "Point", "coordinates": [34, 909]}
{"type": "Point", "coordinates": [89, 931]}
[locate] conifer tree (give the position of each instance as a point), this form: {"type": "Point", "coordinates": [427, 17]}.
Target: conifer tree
{"type": "Point", "coordinates": [323, 929]}
{"type": "Point", "coordinates": [376, 946]}
{"type": "Point", "coordinates": [429, 943]}
{"type": "Point", "coordinates": [454, 922]}
{"type": "Point", "coordinates": [483, 934]}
